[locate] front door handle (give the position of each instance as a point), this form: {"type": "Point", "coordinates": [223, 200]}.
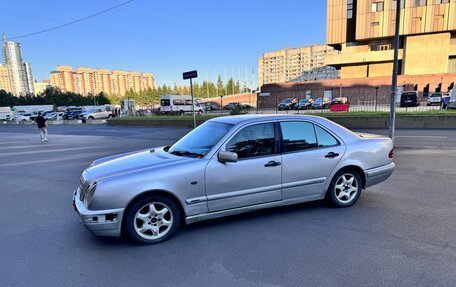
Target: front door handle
{"type": "Point", "coordinates": [272, 163]}
{"type": "Point", "coordinates": [332, 155]}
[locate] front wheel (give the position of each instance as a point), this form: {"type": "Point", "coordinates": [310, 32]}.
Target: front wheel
{"type": "Point", "coordinates": [345, 188]}
{"type": "Point", "coordinates": [153, 219]}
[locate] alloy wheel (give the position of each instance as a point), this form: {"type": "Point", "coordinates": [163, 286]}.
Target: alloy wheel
{"type": "Point", "coordinates": [346, 188]}
{"type": "Point", "coordinates": [153, 221]}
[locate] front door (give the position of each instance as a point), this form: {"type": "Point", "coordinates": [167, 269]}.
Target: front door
{"type": "Point", "coordinates": [254, 179]}
{"type": "Point", "coordinates": [310, 153]}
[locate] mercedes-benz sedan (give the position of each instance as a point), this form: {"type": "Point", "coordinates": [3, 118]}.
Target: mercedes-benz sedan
{"type": "Point", "coordinates": [226, 166]}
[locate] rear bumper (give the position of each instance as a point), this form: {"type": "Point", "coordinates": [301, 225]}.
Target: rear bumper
{"type": "Point", "coordinates": [379, 174]}
{"type": "Point", "coordinates": [99, 222]}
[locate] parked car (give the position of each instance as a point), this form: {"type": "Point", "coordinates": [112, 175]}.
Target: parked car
{"type": "Point", "coordinates": [435, 99]}
{"type": "Point", "coordinates": [451, 100]}
{"type": "Point", "coordinates": [72, 113]}
{"type": "Point", "coordinates": [287, 104]}
{"type": "Point", "coordinates": [54, 116]}
{"type": "Point", "coordinates": [226, 166]}
{"type": "Point", "coordinates": [211, 107]}
{"type": "Point", "coordinates": [231, 106]}
{"type": "Point", "coordinates": [304, 104]}
{"type": "Point", "coordinates": [321, 103]}
{"type": "Point", "coordinates": [33, 117]}
{"type": "Point", "coordinates": [409, 99]}
{"type": "Point", "coordinates": [340, 100]}
{"type": "Point", "coordinates": [96, 114]}
{"type": "Point", "coordinates": [21, 117]}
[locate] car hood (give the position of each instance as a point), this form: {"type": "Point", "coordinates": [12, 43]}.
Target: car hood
{"type": "Point", "coordinates": [130, 162]}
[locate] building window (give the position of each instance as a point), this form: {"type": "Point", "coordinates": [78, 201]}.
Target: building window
{"type": "Point", "coordinates": [395, 4]}
{"type": "Point", "coordinates": [349, 9]}
{"type": "Point", "coordinates": [442, 1]}
{"type": "Point", "coordinates": [377, 6]}
{"type": "Point", "coordinates": [418, 3]}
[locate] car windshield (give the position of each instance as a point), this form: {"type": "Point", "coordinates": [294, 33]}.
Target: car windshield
{"type": "Point", "coordinates": [319, 100]}
{"type": "Point", "coordinates": [199, 141]}
{"type": "Point", "coordinates": [286, 101]}
{"type": "Point", "coordinates": [303, 101]}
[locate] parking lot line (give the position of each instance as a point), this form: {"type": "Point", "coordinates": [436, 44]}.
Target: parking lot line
{"type": "Point", "coordinates": [49, 150]}
{"type": "Point", "coordinates": [427, 137]}
{"type": "Point", "coordinates": [41, 161]}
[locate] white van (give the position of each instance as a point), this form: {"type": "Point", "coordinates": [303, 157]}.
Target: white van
{"type": "Point", "coordinates": [6, 113]}
{"type": "Point", "coordinates": [178, 104]}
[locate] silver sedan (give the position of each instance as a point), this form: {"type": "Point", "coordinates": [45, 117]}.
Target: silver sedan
{"type": "Point", "coordinates": [226, 166]}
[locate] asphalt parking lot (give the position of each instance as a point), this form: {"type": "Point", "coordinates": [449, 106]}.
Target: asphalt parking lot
{"type": "Point", "coordinates": [400, 233]}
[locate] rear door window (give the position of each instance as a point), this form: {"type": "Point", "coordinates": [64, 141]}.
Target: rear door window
{"type": "Point", "coordinates": [298, 136]}
{"type": "Point", "coordinates": [324, 138]}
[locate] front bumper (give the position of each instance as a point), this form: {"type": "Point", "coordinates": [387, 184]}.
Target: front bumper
{"type": "Point", "coordinates": [99, 222]}
{"type": "Point", "coordinates": [379, 174]}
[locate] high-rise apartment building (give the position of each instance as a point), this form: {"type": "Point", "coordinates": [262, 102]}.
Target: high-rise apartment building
{"type": "Point", "coordinates": [363, 30]}
{"type": "Point", "coordinates": [16, 70]}
{"type": "Point", "coordinates": [40, 87]}
{"type": "Point", "coordinates": [86, 81]}
{"type": "Point", "coordinates": [288, 65]}
{"type": "Point", "coordinates": [4, 79]}
{"type": "Point", "coordinates": [29, 77]}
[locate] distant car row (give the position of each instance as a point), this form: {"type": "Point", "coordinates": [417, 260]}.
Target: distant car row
{"type": "Point", "coordinates": [182, 104]}
{"type": "Point", "coordinates": [307, 104]}
{"type": "Point", "coordinates": [76, 113]}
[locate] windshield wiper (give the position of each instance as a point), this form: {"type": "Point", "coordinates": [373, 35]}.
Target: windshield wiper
{"type": "Point", "coordinates": [186, 153]}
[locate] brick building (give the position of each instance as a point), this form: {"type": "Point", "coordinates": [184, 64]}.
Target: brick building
{"type": "Point", "coordinates": [362, 31]}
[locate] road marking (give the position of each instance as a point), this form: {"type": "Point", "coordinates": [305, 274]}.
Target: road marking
{"type": "Point", "coordinates": [24, 146]}
{"type": "Point", "coordinates": [40, 162]}
{"type": "Point", "coordinates": [50, 150]}
{"type": "Point", "coordinates": [430, 137]}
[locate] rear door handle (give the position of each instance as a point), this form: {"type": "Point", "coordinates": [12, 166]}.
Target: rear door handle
{"type": "Point", "coordinates": [331, 155]}
{"type": "Point", "coordinates": [272, 163]}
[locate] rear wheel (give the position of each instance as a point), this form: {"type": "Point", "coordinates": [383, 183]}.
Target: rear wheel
{"type": "Point", "coordinates": [345, 188]}
{"type": "Point", "coordinates": [91, 118]}
{"type": "Point", "coordinates": [153, 219]}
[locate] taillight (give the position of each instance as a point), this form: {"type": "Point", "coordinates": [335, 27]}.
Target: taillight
{"type": "Point", "coordinates": [391, 154]}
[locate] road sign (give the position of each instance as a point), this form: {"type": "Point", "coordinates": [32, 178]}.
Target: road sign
{"type": "Point", "coordinates": [190, 75]}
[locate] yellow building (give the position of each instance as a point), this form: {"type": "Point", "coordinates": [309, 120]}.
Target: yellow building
{"type": "Point", "coordinates": [40, 87]}
{"type": "Point", "coordinates": [290, 64]}
{"type": "Point", "coordinates": [93, 81]}
{"type": "Point", "coordinates": [363, 32]}
{"type": "Point", "coordinates": [4, 79]}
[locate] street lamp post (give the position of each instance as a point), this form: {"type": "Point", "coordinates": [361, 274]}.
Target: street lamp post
{"type": "Point", "coordinates": [395, 72]}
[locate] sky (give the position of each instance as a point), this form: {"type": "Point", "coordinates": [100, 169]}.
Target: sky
{"type": "Point", "coordinates": [162, 37]}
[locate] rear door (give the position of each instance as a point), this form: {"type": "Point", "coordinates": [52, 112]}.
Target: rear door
{"type": "Point", "coordinates": [310, 153]}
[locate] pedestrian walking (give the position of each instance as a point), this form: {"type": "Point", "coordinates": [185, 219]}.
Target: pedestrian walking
{"type": "Point", "coordinates": [42, 126]}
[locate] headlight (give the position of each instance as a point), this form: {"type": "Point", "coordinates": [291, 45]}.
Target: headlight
{"type": "Point", "coordinates": [89, 194]}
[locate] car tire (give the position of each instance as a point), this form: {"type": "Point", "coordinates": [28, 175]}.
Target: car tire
{"type": "Point", "coordinates": [345, 188]}
{"type": "Point", "coordinates": [91, 118]}
{"type": "Point", "coordinates": [109, 117]}
{"type": "Point", "coordinates": [181, 113]}
{"type": "Point", "coordinates": [145, 225]}
{"type": "Point", "coordinates": [200, 112]}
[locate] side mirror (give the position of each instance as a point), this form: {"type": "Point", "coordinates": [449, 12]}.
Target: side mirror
{"type": "Point", "coordinates": [226, 156]}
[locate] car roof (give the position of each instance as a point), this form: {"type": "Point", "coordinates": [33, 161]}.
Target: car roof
{"type": "Point", "coordinates": [341, 131]}
{"type": "Point", "coordinates": [255, 118]}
